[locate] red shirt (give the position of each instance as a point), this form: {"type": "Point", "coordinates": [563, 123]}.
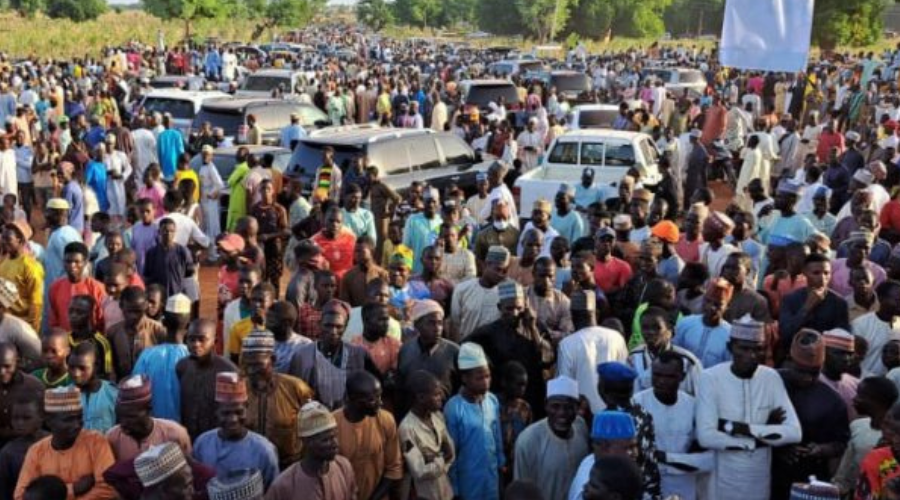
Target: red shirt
{"type": "Point", "coordinates": [828, 140]}
{"type": "Point", "coordinates": [890, 216]}
{"type": "Point", "coordinates": [612, 275]}
{"type": "Point", "coordinates": [338, 252]}
{"type": "Point", "coordinates": [877, 468]}
{"type": "Point", "coordinates": [61, 293]}
{"type": "Point", "coordinates": [689, 251]}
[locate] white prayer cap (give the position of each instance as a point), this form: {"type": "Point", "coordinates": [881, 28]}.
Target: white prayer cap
{"type": "Point", "coordinates": [471, 355]}
{"type": "Point", "coordinates": [864, 176]}
{"type": "Point", "coordinates": [562, 386]}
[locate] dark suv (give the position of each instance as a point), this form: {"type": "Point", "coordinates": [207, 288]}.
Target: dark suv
{"type": "Point", "coordinates": [401, 155]}
{"type": "Point", "coordinates": [272, 115]}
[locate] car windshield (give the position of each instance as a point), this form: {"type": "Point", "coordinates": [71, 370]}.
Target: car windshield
{"type": "Point", "coordinates": [266, 83]}
{"type": "Point", "coordinates": [563, 83]}
{"type": "Point", "coordinates": [308, 157]}
{"type": "Point", "coordinates": [663, 74]}
{"type": "Point", "coordinates": [597, 118]}
{"type": "Point", "coordinates": [178, 108]}
{"type": "Point", "coordinates": [483, 94]}
{"type": "Point", "coordinates": [690, 77]}
{"type": "Point", "coordinates": [525, 66]}
{"type": "Point", "coordinates": [228, 121]}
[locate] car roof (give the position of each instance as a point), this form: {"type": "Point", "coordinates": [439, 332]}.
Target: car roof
{"type": "Point", "coordinates": [354, 136]}
{"type": "Point", "coordinates": [238, 103]}
{"type": "Point", "coordinates": [173, 78]}
{"type": "Point", "coordinates": [567, 72]}
{"type": "Point", "coordinates": [252, 148]}
{"type": "Point", "coordinates": [602, 132]}
{"type": "Point", "coordinates": [185, 94]}
{"type": "Point", "coordinates": [471, 83]}
{"type": "Point", "coordinates": [272, 72]}
{"type": "Point", "coordinates": [596, 107]}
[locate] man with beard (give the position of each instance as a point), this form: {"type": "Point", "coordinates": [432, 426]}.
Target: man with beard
{"type": "Point", "coordinates": [549, 451]}
{"type": "Point", "coordinates": [197, 377]}
{"type": "Point", "coordinates": [77, 456]}
{"type": "Point", "coordinates": [321, 474]}
{"type": "Point", "coordinates": [367, 436]}
{"type": "Point", "coordinates": [275, 399]}
{"type": "Point", "coordinates": [515, 337]}
{"type": "Point", "coordinates": [232, 446]}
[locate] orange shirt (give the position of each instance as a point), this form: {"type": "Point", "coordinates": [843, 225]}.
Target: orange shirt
{"type": "Point", "coordinates": [90, 455]}
{"type": "Point", "coordinates": [372, 447]}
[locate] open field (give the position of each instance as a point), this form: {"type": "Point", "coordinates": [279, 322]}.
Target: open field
{"type": "Point", "coordinates": [45, 37]}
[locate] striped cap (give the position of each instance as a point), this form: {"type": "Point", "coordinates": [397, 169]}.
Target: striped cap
{"type": "Point", "coordinates": [239, 484]}
{"type": "Point", "coordinates": [839, 339]}
{"type": "Point", "coordinates": [159, 463]}
{"type": "Point", "coordinates": [62, 400]}
{"type": "Point", "coordinates": [258, 341]}
{"type": "Point", "coordinates": [230, 388]}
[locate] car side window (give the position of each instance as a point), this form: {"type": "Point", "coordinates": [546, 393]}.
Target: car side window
{"type": "Point", "coordinates": [270, 117]}
{"type": "Point", "coordinates": [423, 154]}
{"type": "Point", "coordinates": [620, 155]}
{"type": "Point", "coordinates": [592, 153]}
{"type": "Point", "coordinates": [455, 150]}
{"type": "Point", "coordinates": [564, 152]}
{"type": "Point", "coordinates": [391, 158]}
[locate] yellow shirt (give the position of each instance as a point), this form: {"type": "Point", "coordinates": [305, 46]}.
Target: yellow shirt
{"type": "Point", "coordinates": [189, 174]}
{"type": "Point", "coordinates": [28, 275]}
{"type": "Point", "coordinates": [240, 330]}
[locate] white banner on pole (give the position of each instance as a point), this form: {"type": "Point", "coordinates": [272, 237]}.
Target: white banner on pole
{"type": "Point", "coordinates": [769, 35]}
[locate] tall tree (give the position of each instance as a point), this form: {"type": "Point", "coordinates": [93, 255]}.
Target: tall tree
{"type": "Point", "coordinates": [419, 13]}
{"type": "Point", "coordinates": [544, 17]}
{"type": "Point", "coordinates": [76, 10]}
{"type": "Point", "coordinates": [187, 10]}
{"type": "Point", "coordinates": [376, 14]}
{"type": "Point", "coordinates": [27, 8]}
{"type": "Point", "coordinates": [839, 22]}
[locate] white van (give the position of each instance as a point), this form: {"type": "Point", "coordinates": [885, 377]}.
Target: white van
{"type": "Point", "coordinates": [183, 105]}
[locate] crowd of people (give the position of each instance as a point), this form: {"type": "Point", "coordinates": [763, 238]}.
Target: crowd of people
{"type": "Point", "coordinates": [645, 342]}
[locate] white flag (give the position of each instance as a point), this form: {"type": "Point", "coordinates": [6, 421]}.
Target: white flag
{"type": "Point", "coordinates": [769, 35]}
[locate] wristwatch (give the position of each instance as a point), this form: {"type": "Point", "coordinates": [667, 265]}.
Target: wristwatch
{"type": "Point", "coordinates": [728, 427]}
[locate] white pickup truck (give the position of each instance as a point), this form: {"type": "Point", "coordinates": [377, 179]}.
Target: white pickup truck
{"type": "Point", "coordinates": [611, 153]}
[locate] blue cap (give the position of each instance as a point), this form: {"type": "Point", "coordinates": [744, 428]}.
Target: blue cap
{"type": "Point", "coordinates": [613, 371]}
{"type": "Point", "coordinates": [778, 240]}
{"type": "Point", "coordinates": [613, 425]}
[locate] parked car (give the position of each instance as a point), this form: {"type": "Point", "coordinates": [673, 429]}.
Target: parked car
{"type": "Point", "coordinates": [263, 82]}
{"type": "Point", "coordinates": [272, 115]}
{"type": "Point", "coordinates": [401, 155]}
{"type": "Point", "coordinates": [585, 116]}
{"type": "Point", "coordinates": [512, 67]}
{"type": "Point", "coordinates": [678, 80]}
{"type": "Point", "coordinates": [225, 160]}
{"type": "Point", "coordinates": [183, 105]}
{"type": "Point", "coordinates": [571, 86]}
{"type": "Point", "coordinates": [610, 153]}
{"type": "Point", "coordinates": [477, 94]}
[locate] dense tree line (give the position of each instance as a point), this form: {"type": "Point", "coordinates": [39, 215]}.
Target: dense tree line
{"type": "Point", "coordinates": [859, 22]}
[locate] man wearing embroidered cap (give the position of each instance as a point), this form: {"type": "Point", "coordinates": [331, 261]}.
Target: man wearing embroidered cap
{"type": "Point", "coordinates": [159, 362]}
{"type": "Point", "coordinates": [475, 302]}
{"type": "Point", "coordinates": [232, 446]}
{"type": "Point", "coordinates": [859, 246]}
{"type": "Point", "coordinates": [275, 399]}
{"type": "Point", "coordinates": [327, 362]}
{"type": "Point", "coordinates": [566, 221]}
{"type": "Point", "coordinates": [515, 337]}
{"type": "Point", "coordinates": [715, 250]}
{"type": "Point", "coordinates": [787, 223]}
{"type": "Point", "coordinates": [613, 434]}
{"type": "Point", "coordinates": [549, 451]}
{"type": "Point", "coordinates": [429, 351]}
{"type": "Point", "coordinates": [742, 410]}
{"type": "Point", "coordinates": [75, 455]}
{"type": "Point", "coordinates": [840, 349]}
{"type": "Point", "coordinates": [322, 474]}
{"type": "Point", "coordinates": [706, 335]}
{"type": "Point", "coordinates": [473, 421]}
{"type": "Point", "coordinates": [822, 415]}
{"type": "Point", "coordinates": [137, 430]}
{"type": "Point", "coordinates": [164, 473]}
